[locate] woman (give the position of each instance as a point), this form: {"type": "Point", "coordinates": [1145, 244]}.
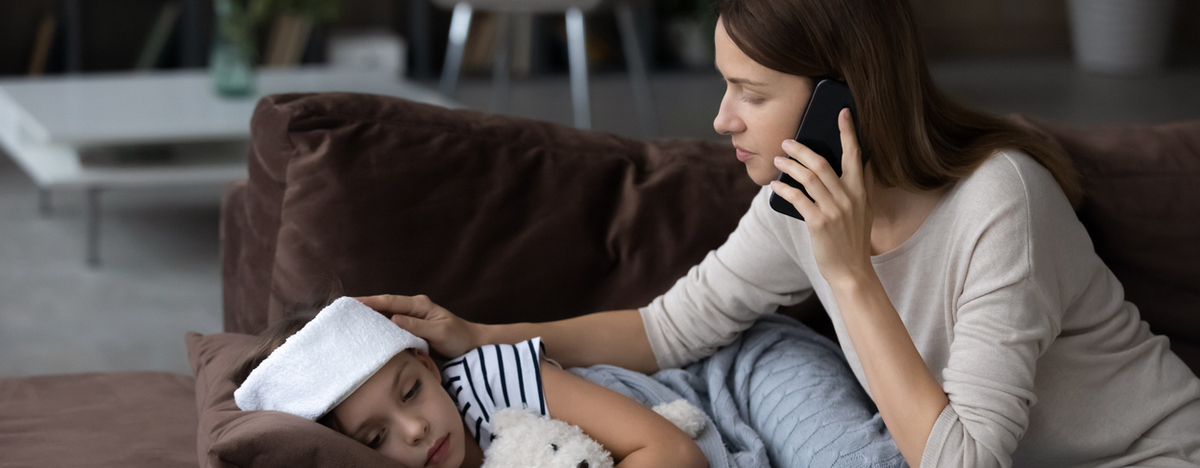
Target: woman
{"type": "Point", "coordinates": [965, 293]}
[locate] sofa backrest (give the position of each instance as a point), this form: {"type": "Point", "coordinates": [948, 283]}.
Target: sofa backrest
{"type": "Point", "coordinates": [502, 219]}
{"type": "Point", "coordinates": [498, 219]}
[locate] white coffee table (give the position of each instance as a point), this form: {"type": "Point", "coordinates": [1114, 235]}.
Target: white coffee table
{"type": "Point", "coordinates": [47, 123]}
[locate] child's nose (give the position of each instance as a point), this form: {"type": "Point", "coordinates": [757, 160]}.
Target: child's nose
{"type": "Point", "coordinates": [415, 429]}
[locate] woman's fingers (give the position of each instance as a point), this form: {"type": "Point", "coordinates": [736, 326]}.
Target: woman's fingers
{"type": "Point", "coordinates": [446, 333]}
{"type": "Point", "coordinates": [414, 325]}
{"type": "Point", "coordinates": [389, 304]}
{"type": "Point", "coordinates": [794, 196]}
{"type": "Point", "coordinates": [818, 194]}
{"type": "Point", "coordinates": [407, 312]}
{"type": "Point", "coordinates": [852, 165]}
{"type": "Point", "coordinates": [818, 166]}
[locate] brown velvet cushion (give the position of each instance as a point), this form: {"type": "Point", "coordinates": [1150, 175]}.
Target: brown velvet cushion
{"type": "Point", "coordinates": [229, 437]}
{"type": "Point", "coordinates": [111, 419]}
{"type": "Point", "coordinates": [497, 218]}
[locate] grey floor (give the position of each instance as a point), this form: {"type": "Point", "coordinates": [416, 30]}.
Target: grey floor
{"type": "Point", "coordinates": [160, 275]}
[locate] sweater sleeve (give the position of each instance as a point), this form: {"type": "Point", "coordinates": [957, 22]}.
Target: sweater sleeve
{"type": "Point", "coordinates": [989, 378]}
{"type": "Point", "coordinates": [750, 275]}
{"type": "Point", "coordinates": [1006, 317]}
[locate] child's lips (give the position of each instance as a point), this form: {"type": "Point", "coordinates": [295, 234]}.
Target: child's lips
{"type": "Point", "coordinates": [438, 452]}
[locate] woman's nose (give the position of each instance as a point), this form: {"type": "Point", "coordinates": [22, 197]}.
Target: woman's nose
{"type": "Point", "coordinates": [726, 122]}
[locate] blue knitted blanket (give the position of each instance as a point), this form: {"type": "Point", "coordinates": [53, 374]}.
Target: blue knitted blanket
{"type": "Point", "coordinates": [781, 395]}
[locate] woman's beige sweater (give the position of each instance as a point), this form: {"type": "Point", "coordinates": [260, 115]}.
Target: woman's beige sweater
{"type": "Point", "coordinates": [1025, 328]}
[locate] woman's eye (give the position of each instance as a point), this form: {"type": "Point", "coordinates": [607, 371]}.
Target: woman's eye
{"type": "Point", "coordinates": [376, 441]}
{"type": "Point", "coordinates": [412, 393]}
{"type": "Point", "coordinates": [753, 100]}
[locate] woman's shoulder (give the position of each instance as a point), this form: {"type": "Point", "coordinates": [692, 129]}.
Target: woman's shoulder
{"type": "Point", "coordinates": [1011, 178]}
{"type": "Point", "coordinates": [1010, 172]}
{"type": "Point", "coordinates": [1012, 196]}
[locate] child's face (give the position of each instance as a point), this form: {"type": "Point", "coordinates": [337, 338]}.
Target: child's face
{"type": "Point", "coordinates": [404, 413]}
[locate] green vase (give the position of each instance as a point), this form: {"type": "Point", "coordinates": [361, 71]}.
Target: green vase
{"type": "Point", "coordinates": [231, 61]}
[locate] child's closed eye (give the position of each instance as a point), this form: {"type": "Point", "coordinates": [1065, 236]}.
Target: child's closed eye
{"type": "Point", "coordinates": [377, 439]}
{"type": "Point", "coordinates": [412, 392]}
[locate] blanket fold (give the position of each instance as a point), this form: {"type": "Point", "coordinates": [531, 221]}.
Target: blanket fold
{"type": "Point", "coordinates": [780, 395]}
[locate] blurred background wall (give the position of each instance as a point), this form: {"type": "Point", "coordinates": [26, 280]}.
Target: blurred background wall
{"type": "Point", "coordinates": [110, 33]}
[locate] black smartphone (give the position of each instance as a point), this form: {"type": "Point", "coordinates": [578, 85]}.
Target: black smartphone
{"type": "Point", "coordinates": [819, 131]}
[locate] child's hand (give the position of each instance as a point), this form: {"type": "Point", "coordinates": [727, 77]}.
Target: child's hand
{"type": "Point", "coordinates": [446, 333]}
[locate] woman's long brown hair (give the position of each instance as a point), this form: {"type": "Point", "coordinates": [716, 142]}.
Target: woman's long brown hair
{"type": "Point", "coordinates": [916, 136]}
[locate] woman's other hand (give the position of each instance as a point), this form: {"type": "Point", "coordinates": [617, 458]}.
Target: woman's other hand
{"type": "Point", "coordinates": [446, 333]}
{"type": "Point", "coordinates": [838, 216]}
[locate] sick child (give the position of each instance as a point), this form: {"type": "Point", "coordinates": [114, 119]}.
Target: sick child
{"type": "Point", "coordinates": [351, 369]}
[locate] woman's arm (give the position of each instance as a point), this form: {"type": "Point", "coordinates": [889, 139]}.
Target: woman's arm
{"type": "Point", "coordinates": [1004, 319]}
{"type": "Point", "coordinates": [617, 337]}
{"type": "Point", "coordinates": [635, 435]}
{"type": "Point", "coordinates": [839, 219]}
{"type": "Point", "coordinates": [751, 274]}
{"type": "Point", "coordinates": [909, 399]}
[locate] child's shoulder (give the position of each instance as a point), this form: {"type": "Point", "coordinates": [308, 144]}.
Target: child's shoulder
{"type": "Point", "coordinates": [493, 377]}
{"type": "Point", "coordinates": [498, 375]}
{"type": "Point", "coordinates": [500, 354]}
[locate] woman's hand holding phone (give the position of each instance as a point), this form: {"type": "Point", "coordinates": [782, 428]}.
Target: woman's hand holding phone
{"type": "Point", "coordinates": [448, 334]}
{"type": "Point", "coordinates": [839, 216]}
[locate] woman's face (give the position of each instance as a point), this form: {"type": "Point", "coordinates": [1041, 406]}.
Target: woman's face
{"type": "Point", "coordinates": [404, 413]}
{"type": "Point", "coordinates": [761, 107]}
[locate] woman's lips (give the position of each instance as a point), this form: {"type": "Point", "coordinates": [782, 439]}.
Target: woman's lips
{"type": "Point", "coordinates": [438, 452]}
{"type": "Point", "coordinates": [742, 154]}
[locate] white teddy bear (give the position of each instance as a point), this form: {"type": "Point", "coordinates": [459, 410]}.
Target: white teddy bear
{"type": "Point", "coordinates": [527, 440]}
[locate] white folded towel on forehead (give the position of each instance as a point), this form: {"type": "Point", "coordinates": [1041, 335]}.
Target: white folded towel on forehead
{"type": "Point", "coordinates": [327, 360]}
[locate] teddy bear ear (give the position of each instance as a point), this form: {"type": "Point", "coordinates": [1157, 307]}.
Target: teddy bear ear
{"type": "Point", "coordinates": [687, 417]}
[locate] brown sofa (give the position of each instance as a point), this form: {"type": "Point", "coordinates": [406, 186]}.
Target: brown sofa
{"type": "Point", "coordinates": [503, 219]}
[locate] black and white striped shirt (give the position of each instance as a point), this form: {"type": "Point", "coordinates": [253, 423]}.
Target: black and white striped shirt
{"type": "Point", "coordinates": [494, 377]}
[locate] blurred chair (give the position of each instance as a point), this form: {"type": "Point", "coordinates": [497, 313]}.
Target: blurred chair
{"type": "Point", "coordinates": [576, 50]}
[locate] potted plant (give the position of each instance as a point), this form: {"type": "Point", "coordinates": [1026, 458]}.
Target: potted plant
{"type": "Point", "coordinates": [1121, 37]}
{"type": "Point", "coordinates": [235, 48]}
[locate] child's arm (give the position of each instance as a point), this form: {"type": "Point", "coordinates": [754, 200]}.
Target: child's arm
{"type": "Point", "coordinates": [635, 435]}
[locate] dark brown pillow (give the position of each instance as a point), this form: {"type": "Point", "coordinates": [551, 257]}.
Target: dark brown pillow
{"type": "Point", "coordinates": [229, 437]}
{"type": "Point", "coordinates": [498, 219]}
